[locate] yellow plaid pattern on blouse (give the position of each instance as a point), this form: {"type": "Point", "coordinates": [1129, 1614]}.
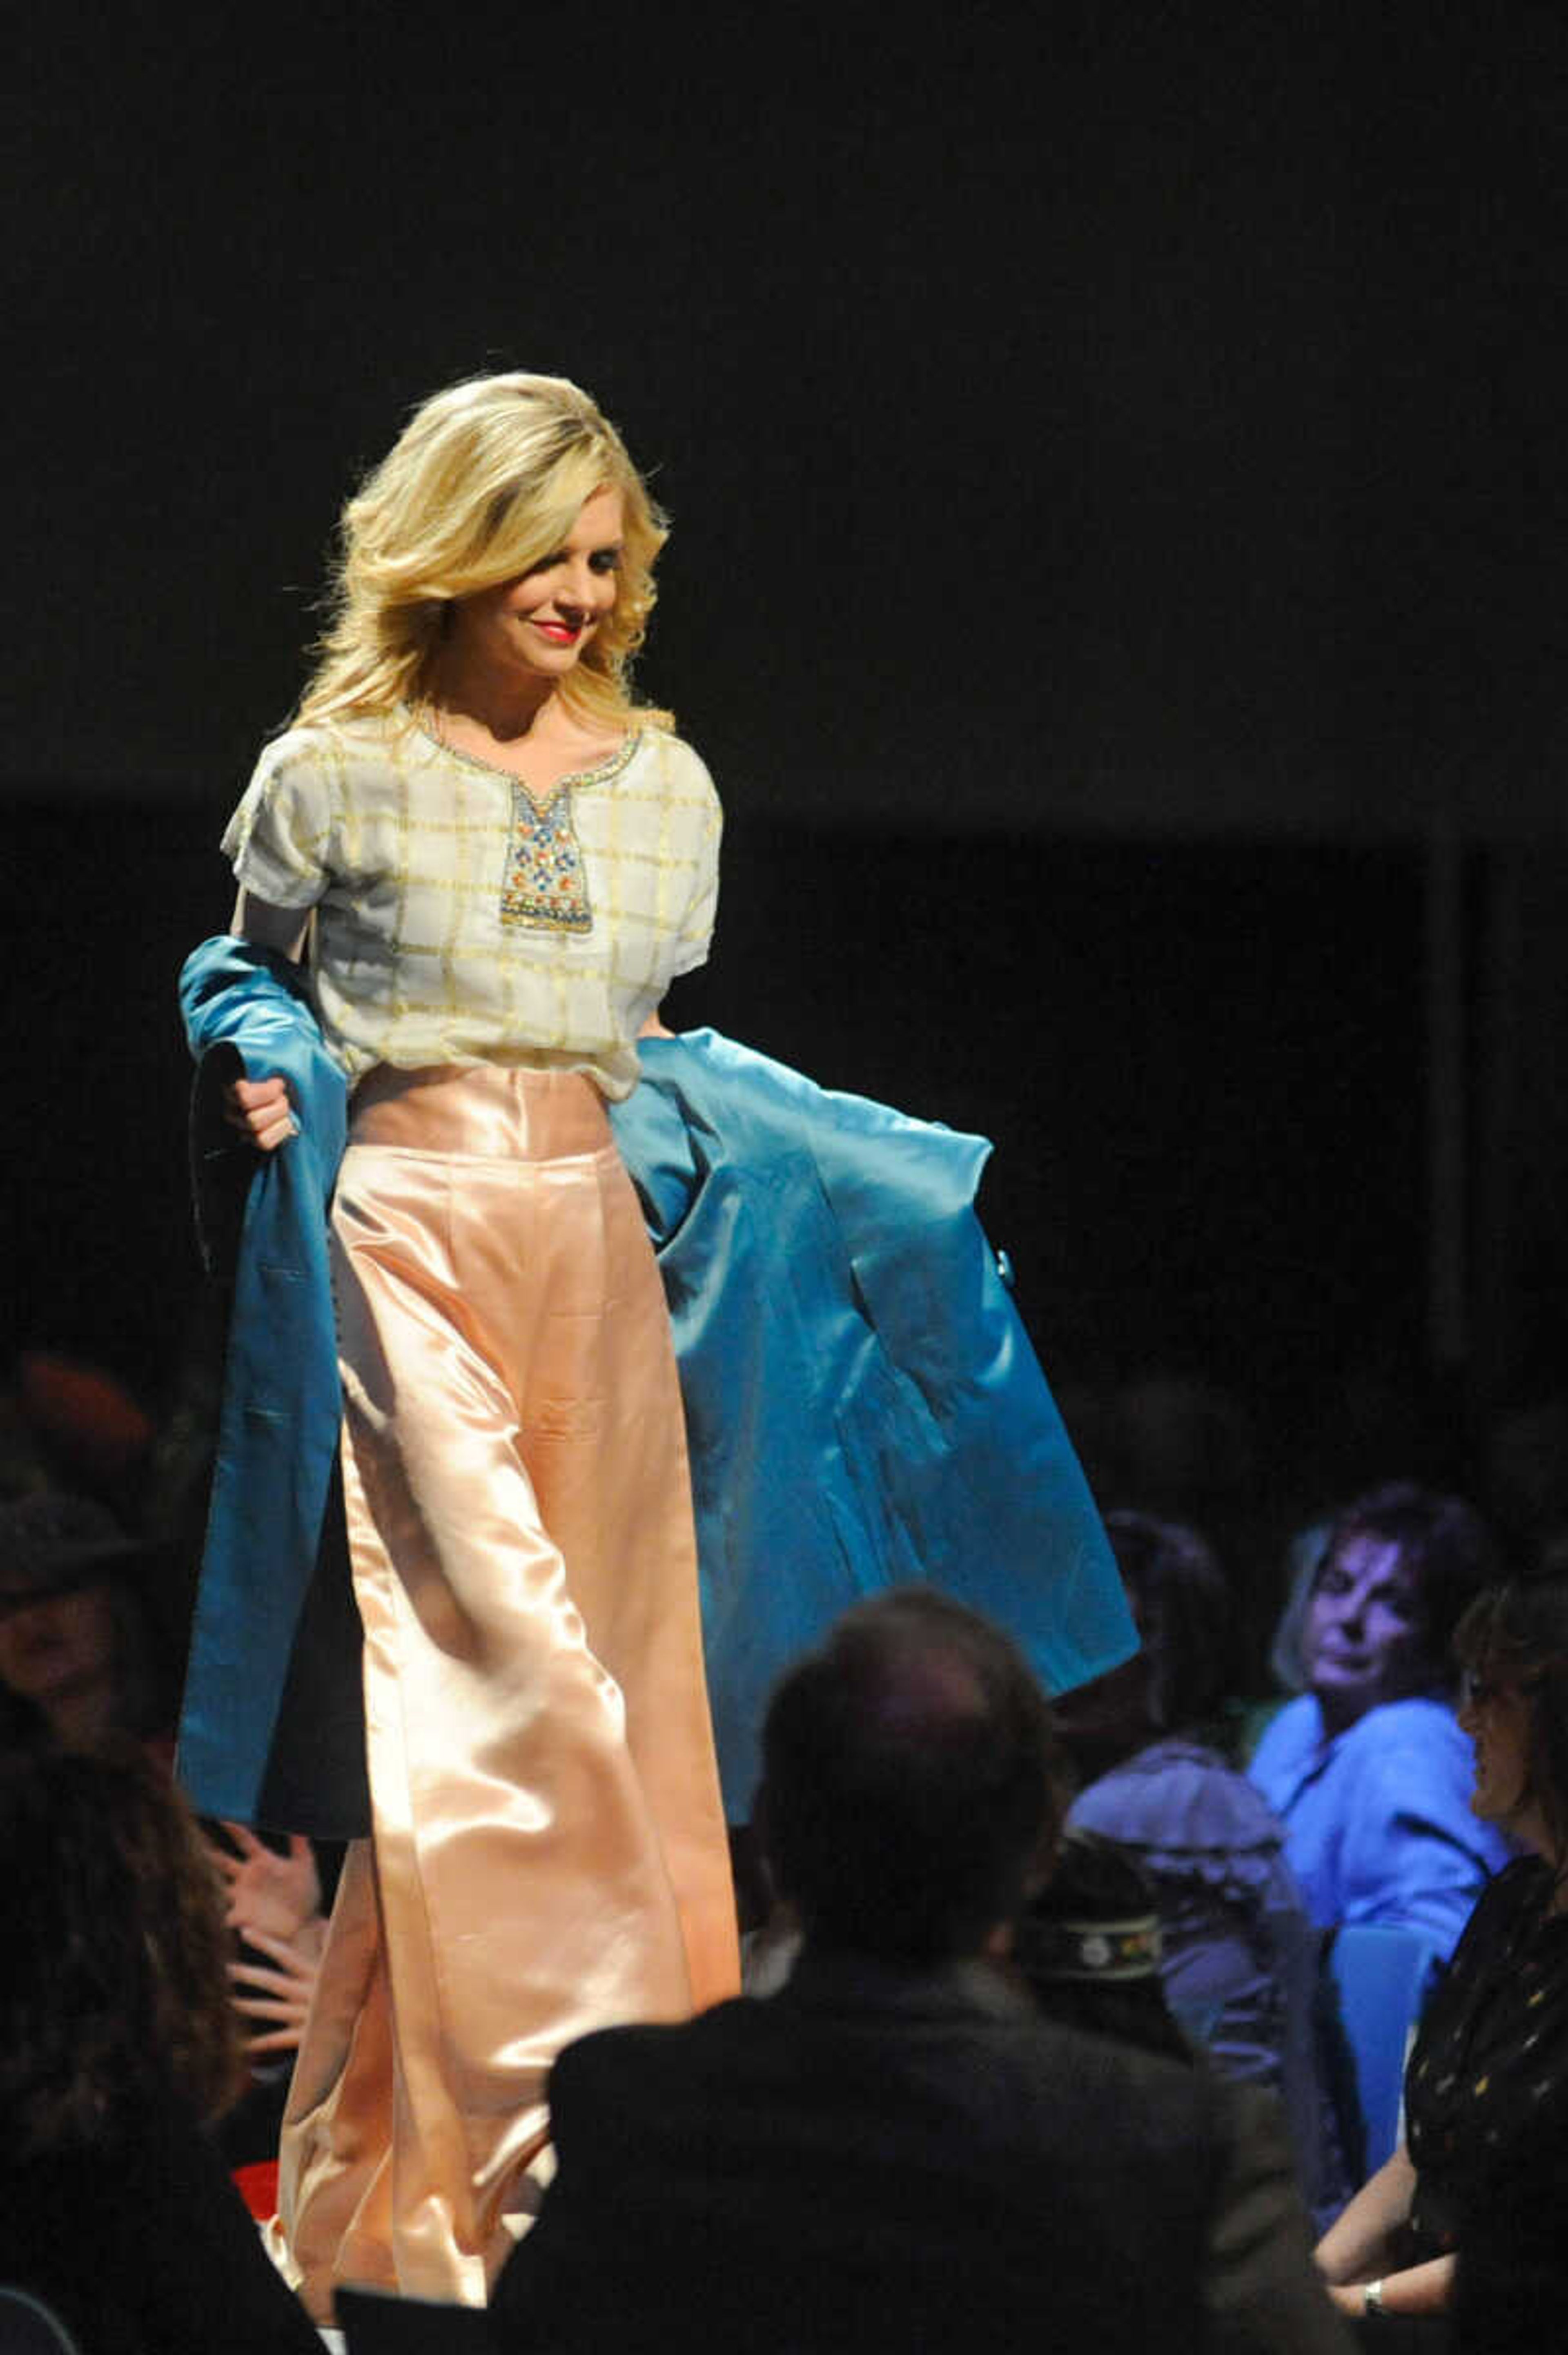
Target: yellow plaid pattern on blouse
{"type": "Point", "coordinates": [459, 919]}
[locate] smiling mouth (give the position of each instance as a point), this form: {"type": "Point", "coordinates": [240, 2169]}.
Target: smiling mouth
{"type": "Point", "coordinates": [564, 633]}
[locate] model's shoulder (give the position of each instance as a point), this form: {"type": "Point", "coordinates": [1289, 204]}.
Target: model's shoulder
{"type": "Point", "coordinates": [673, 747]}
{"type": "Point", "coordinates": [679, 764]}
{"type": "Point", "coordinates": [319, 742]}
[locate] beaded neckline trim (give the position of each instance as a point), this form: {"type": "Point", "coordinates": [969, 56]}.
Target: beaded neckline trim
{"type": "Point", "coordinates": [600, 773]}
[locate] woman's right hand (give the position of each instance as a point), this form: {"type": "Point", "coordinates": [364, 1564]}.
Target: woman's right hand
{"type": "Point", "coordinates": [276, 2002]}
{"type": "Point", "coordinates": [261, 1111]}
{"type": "Point", "coordinates": [265, 1891]}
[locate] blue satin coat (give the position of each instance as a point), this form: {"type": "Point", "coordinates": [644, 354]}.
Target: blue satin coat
{"type": "Point", "coordinates": [862, 1402]}
{"type": "Point", "coordinates": [272, 1728]}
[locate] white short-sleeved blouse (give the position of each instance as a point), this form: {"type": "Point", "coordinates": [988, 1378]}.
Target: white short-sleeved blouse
{"type": "Point", "coordinates": [458, 919]}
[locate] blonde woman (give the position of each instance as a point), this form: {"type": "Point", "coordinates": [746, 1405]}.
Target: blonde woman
{"type": "Point", "coordinates": [493, 862]}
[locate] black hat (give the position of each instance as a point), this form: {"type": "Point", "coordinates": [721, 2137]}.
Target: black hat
{"type": "Point", "coordinates": [1093, 1920]}
{"type": "Point", "coordinates": [51, 1541]}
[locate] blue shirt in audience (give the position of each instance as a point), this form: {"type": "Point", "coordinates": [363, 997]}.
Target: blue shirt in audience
{"type": "Point", "coordinates": [1377, 1822]}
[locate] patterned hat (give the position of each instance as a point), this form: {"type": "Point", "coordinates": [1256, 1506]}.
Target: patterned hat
{"type": "Point", "coordinates": [1094, 1920]}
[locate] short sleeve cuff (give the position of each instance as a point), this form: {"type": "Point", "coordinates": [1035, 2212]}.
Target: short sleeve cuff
{"type": "Point", "coordinates": [276, 839]}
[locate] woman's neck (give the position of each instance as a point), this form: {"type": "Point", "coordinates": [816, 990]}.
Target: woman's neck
{"type": "Point", "coordinates": [507, 707]}
{"type": "Point", "coordinates": [1337, 1715]}
{"type": "Point", "coordinates": [1528, 1827]}
{"type": "Point", "coordinates": [1341, 1709]}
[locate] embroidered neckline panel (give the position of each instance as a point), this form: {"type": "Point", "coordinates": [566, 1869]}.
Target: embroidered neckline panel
{"type": "Point", "coordinates": [545, 888]}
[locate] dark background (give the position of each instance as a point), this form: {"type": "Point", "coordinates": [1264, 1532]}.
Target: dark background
{"type": "Point", "coordinates": [1116, 455]}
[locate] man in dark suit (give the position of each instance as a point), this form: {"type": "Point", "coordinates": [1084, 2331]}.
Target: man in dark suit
{"type": "Point", "coordinates": [896, 2150]}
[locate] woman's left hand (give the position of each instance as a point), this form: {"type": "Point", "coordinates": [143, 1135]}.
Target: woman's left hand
{"type": "Point", "coordinates": [261, 1111]}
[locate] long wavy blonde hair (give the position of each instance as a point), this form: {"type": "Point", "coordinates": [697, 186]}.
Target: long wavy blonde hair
{"type": "Point", "coordinates": [485, 480]}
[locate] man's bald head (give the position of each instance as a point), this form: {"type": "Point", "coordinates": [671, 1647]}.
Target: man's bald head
{"type": "Point", "coordinates": [910, 1780]}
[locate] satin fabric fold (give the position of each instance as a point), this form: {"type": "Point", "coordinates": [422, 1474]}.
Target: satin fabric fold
{"type": "Point", "coordinates": [548, 1853]}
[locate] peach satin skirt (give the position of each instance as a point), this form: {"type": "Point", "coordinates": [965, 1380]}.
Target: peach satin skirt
{"type": "Point", "coordinates": [548, 1852]}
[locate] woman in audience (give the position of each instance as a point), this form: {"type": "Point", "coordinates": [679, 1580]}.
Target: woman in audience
{"type": "Point", "coordinates": [1087, 1947]}
{"type": "Point", "coordinates": [118, 2049]}
{"type": "Point", "coordinates": [1240, 1959]}
{"type": "Point", "coordinates": [77, 1636]}
{"type": "Point", "coordinates": [1478, 2184]}
{"type": "Point", "coordinates": [1368, 1769]}
{"type": "Point", "coordinates": [79, 1640]}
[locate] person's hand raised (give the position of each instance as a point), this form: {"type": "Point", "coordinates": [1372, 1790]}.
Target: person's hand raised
{"type": "Point", "coordinates": [268, 1892]}
{"type": "Point", "coordinates": [275, 2003]}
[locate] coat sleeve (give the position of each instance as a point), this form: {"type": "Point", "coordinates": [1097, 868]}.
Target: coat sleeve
{"type": "Point", "coordinates": [1262, 2293]}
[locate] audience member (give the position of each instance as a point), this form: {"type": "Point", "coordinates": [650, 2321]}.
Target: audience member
{"type": "Point", "coordinates": [1287, 1647]}
{"type": "Point", "coordinates": [77, 1639]}
{"type": "Point", "coordinates": [76, 1634]}
{"type": "Point", "coordinates": [117, 2052]}
{"type": "Point", "coordinates": [1368, 1769]}
{"type": "Point", "coordinates": [275, 1905]}
{"type": "Point", "coordinates": [1479, 2183]}
{"type": "Point", "coordinates": [897, 2149]}
{"type": "Point", "coordinates": [1088, 1948]}
{"type": "Point", "coordinates": [1240, 1957]}
{"type": "Point", "coordinates": [275, 1909]}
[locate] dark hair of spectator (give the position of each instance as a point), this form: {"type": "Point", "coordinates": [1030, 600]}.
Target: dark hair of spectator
{"type": "Point", "coordinates": [1441, 1539]}
{"type": "Point", "coordinates": [911, 1780]}
{"type": "Point", "coordinates": [1182, 1606]}
{"type": "Point", "coordinates": [22, 1725]}
{"type": "Point", "coordinates": [113, 1991]}
{"type": "Point", "coordinates": [1518, 1635]}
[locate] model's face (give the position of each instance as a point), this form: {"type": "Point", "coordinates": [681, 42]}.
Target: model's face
{"type": "Point", "coordinates": [539, 625]}
{"type": "Point", "coordinates": [1365, 1640]}
{"type": "Point", "coordinates": [58, 1649]}
{"type": "Point", "coordinates": [1496, 1716]}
